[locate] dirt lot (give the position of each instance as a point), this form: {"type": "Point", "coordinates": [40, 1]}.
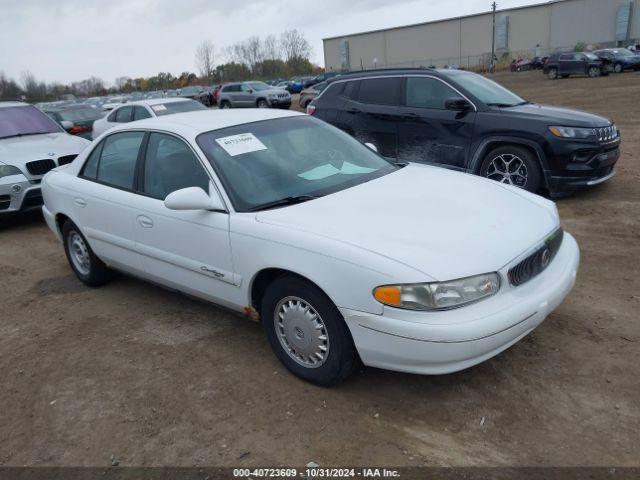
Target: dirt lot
{"type": "Point", "coordinates": [156, 378]}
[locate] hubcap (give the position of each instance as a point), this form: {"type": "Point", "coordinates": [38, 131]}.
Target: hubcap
{"type": "Point", "coordinates": [79, 253]}
{"type": "Point", "coordinates": [301, 332]}
{"type": "Point", "coordinates": [508, 168]}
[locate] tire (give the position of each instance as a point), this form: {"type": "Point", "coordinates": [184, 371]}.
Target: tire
{"type": "Point", "coordinates": [225, 104]}
{"type": "Point", "coordinates": [499, 160]}
{"type": "Point", "coordinates": [553, 73]}
{"type": "Point", "coordinates": [293, 338]}
{"type": "Point", "coordinates": [565, 76]}
{"type": "Point", "coordinates": [593, 72]}
{"type": "Point", "coordinates": [262, 103]}
{"type": "Point", "coordinates": [617, 68]}
{"type": "Point", "coordinates": [94, 273]}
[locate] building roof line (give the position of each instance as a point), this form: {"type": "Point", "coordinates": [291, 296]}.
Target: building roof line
{"type": "Point", "coordinates": [541, 4]}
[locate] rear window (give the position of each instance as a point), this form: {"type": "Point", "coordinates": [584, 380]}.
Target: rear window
{"type": "Point", "coordinates": [379, 91]}
{"type": "Point", "coordinates": [177, 107]}
{"type": "Point", "coordinates": [80, 114]}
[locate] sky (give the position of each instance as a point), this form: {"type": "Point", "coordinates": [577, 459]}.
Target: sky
{"type": "Point", "coordinates": [69, 40]}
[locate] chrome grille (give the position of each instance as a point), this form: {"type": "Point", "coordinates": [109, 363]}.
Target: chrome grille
{"type": "Point", "coordinates": [40, 167]}
{"type": "Point", "coordinates": [535, 263]}
{"type": "Point", "coordinates": [606, 134]}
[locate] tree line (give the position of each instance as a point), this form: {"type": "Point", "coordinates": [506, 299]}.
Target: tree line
{"type": "Point", "coordinates": [254, 58]}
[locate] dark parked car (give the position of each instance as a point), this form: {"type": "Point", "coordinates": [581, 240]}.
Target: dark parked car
{"type": "Point", "coordinates": [538, 62]}
{"type": "Point", "coordinates": [76, 119]}
{"type": "Point", "coordinates": [574, 63]}
{"type": "Point", "coordinates": [620, 59]}
{"type": "Point", "coordinates": [464, 121]}
{"type": "Point", "coordinates": [197, 93]}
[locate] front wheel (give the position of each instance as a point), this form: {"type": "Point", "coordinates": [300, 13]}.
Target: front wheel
{"type": "Point", "coordinates": [307, 332]}
{"type": "Point", "coordinates": [617, 68]}
{"type": "Point", "coordinates": [224, 105]}
{"type": "Point", "coordinates": [593, 72]}
{"type": "Point", "coordinates": [553, 73]}
{"type": "Point", "coordinates": [85, 264]}
{"type": "Point", "coordinates": [262, 103]}
{"type": "Point", "coordinates": [514, 166]}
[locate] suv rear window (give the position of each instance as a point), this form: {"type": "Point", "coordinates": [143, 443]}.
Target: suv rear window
{"type": "Point", "coordinates": [379, 91]}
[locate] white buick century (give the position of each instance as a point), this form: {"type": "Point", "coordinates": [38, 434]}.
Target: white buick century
{"type": "Point", "coordinates": [343, 255]}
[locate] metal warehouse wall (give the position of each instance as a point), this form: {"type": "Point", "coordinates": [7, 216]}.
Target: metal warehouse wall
{"type": "Point", "coordinates": [467, 40]}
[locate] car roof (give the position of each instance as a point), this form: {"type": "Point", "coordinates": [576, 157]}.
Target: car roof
{"type": "Point", "coordinates": [191, 124]}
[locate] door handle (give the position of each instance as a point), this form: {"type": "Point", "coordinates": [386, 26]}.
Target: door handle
{"type": "Point", "coordinates": [352, 110]}
{"type": "Point", "coordinates": [145, 222]}
{"type": "Point", "coordinates": [80, 202]}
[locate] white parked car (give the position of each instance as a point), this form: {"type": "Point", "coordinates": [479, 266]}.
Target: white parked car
{"type": "Point", "coordinates": [31, 144]}
{"type": "Point", "coordinates": [342, 254]}
{"type": "Point", "coordinates": [143, 109]}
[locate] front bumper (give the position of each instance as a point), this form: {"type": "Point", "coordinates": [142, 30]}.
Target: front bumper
{"type": "Point", "coordinates": [583, 166]}
{"type": "Point", "coordinates": [17, 194]}
{"type": "Point", "coordinates": [280, 102]}
{"type": "Point", "coordinates": [449, 341]}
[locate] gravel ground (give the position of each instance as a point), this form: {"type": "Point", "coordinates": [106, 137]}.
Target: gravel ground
{"type": "Point", "coordinates": [144, 376]}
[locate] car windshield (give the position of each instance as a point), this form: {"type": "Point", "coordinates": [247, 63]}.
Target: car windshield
{"type": "Point", "coordinates": [485, 90]}
{"type": "Point", "coordinates": [268, 161]}
{"type": "Point", "coordinates": [259, 86]}
{"type": "Point", "coordinates": [80, 114]}
{"type": "Point", "coordinates": [25, 120]}
{"type": "Point", "coordinates": [176, 107]}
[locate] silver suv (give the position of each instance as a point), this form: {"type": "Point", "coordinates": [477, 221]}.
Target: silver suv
{"type": "Point", "coordinates": [252, 95]}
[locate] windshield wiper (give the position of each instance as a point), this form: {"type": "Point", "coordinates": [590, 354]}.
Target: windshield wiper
{"type": "Point", "coordinates": [25, 134]}
{"type": "Point", "coordinates": [292, 200]}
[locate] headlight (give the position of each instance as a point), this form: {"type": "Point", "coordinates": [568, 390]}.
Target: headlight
{"type": "Point", "coordinates": [572, 132]}
{"type": "Point", "coordinates": [438, 295]}
{"type": "Point", "coordinates": [7, 170]}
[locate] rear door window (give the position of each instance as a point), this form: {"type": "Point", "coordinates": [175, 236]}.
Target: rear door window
{"type": "Point", "coordinates": [117, 163]}
{"type": "Point", "coordinates": [379, 91]}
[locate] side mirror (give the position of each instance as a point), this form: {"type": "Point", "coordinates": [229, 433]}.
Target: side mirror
{"type": "Point", "coordinates": [372, 147]}
{"type": "Point", "coordinates": [194, 198]}
{"type": "Point", "coordinates": [458, 104]}
{"type": "Point", "coordinates": [66, 124]}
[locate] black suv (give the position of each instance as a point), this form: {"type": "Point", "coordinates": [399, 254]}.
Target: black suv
{"type": "Point", "coordinates": [574, 63]}
{"type": "Point", "coordinates": [464, 121]}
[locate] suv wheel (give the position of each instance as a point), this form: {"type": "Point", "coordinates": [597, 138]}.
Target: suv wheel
{"type": "Point", "coordinates": [553, 73]}
{"type": "Point", "coordinates": [88, 268]}
{"type": "Point", "coordinates": [617, 68]}
{"type": "Point", "coordinates": [262, 103]}
{"type": "Point", "coordinates": [307, 332]}
{"type": "Point", "coordinates": [512, 165]}
{"type": "Point", "coordinates": [225, 104]}
{"type": "Point", "coordinates": [593, 72]}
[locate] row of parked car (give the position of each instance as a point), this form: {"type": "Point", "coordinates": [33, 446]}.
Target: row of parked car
{"type": "Point", "coordinates": [345, 241]}
{"type": "Point", "coordinates": [592, 64]}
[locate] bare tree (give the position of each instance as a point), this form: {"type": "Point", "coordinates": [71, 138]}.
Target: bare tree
{"type": "Point", "coordinates": [271, 48]}
{"type": "Point", "coordinates": [294, 45]}
{"type": "Point", "coordinates": [121, 82]}
{"type": "Point", "coordinates": [205, 59]}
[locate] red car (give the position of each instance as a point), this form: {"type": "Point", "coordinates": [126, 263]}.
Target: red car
{"type": "Point", "coordinates": [216, 92]}
{"type": "Point", "coordinates": [520, 65]}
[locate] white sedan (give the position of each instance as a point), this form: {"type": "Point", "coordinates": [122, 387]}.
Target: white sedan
{"type": "Point", "coordinates": [143, 109]}
{"type": "Point", "coordinates": [343, 255]}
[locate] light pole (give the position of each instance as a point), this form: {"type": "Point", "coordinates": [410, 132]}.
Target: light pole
{"type": "Point", "coordinates": [493, 38]}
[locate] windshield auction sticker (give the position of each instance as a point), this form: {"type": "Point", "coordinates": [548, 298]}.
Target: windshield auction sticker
{"type": "Point", "coordinates": [239, 144]}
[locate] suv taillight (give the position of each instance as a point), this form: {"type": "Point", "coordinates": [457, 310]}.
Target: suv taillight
{"type": "Point", "coordinates": [311, 109]}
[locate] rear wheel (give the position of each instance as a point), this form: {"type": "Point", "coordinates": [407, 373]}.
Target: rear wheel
{"type": "Point", "coordinates": [553, 73]}
{"type": "Point", "coordinates": [88, 268]}
{"type": "Point", "coordinates": [617, 68]}
{"type": "Point", "coordinates": [512, 165]}
{"type": "Point", "coordinates": [307, 332]}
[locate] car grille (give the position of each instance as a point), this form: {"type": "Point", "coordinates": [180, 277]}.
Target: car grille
{"type": "Point", "coordinates": [66, 159]}
{"type": "Point", "coordinates": [535, 263]}
{"type": "Point", "coordinates": [5, 202]}
{"type": "Point", "coordinates": [40, 167]}
{"type": "Point", "coordinates": [283, 95]}
{"type": "Point", "coordinates": [606, 134]}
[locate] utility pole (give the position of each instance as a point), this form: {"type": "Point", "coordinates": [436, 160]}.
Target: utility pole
{"type": "Point", "coordinates": [493, 38]}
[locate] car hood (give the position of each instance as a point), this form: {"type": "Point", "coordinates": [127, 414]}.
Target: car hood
{"type": "Point", "coordinates": [441, 223]}
{"type": "Point", "coordinates": [20, 150]}
{"type": "Point", "coordinates": [558, 115]}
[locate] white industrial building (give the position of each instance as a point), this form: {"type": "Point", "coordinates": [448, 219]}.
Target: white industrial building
{"type": "Point", "coordinates": [466, 41]}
